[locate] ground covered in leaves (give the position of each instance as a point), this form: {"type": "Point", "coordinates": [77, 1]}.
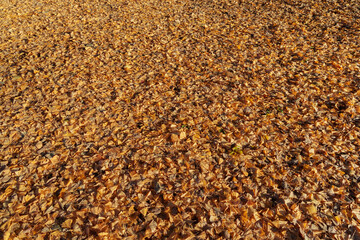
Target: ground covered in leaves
{"type": "Point", "coordinates": [165, 119]}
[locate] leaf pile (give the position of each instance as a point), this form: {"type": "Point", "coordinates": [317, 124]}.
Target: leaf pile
{"type": "Point", "coordinates": [207, 119]}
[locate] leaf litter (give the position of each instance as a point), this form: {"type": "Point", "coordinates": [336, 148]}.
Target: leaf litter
{"type": "Point", "coordinates": [179, 119]}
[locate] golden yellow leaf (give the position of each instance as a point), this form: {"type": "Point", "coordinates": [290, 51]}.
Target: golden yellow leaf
{"type": "Point", "coordinates": [7, 235]}
{"type": "Point", "coordinates": [174, 138]}
{"type": "Point", "coordinates": [337, 219]}
{"type": "Point", "coordinates": [311, 209]}
{"type": "Point", "coordinates": [144, 211]}
{"type": "Point", "coordinates": [67, 223]}
{"type": "Point", "coordinates": [182, 135]}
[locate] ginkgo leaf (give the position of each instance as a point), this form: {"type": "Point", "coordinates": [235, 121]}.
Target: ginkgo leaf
{"type": "Point", "coordinates": [179, 119]}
